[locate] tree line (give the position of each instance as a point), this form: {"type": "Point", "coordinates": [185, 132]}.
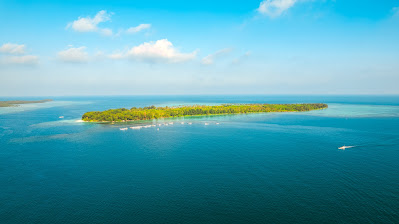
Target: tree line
{"type": "Point", "coordinates": [152, 112]}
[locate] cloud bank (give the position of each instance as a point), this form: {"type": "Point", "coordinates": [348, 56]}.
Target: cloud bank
{"type": "Point", "coordinates": [21, 60]}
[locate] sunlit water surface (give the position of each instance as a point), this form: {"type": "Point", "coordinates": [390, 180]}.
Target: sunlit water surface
{"type": "Point", "coordinates": [254, 168]}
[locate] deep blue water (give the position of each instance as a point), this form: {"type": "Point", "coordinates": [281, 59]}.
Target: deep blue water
{"type": "Point", "coordinates": [257, 168]}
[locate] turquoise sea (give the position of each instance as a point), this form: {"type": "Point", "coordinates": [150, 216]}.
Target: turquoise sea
{"type": "Point", "coordinates": [254, 168]}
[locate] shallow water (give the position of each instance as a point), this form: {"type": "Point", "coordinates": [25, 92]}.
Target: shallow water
{"type": "Point", "coordinates": [254, 168]}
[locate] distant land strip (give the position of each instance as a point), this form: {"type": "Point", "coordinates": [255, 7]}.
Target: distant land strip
{"type": "Point", "coordinates": [152, 112]}
{"type": "Point", "coordinates": [15, 103]}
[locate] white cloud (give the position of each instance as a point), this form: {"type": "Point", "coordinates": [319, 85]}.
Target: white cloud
{"type": "Point", "coordinates": [159, 51]}
{"type": "Point", "coordinates": [88, 24]}
{"type": "Point", "coordinates": [20, 60]}
{"type": "Point", "coordinates": [10, 48]}
{"type": "Point", "coordinates": [74, 55]}
{"type": "Point", "coordinates": [15, 55]}
{"type": "Point", "coordinates": [274, 8]}
{"type": "Point", "coordinates": [138, 28]}
{"type": "Point", "coordinates": [208, 60]}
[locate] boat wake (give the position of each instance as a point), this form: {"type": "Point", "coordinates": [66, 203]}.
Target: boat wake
{"type": "Point", "coordinates": [382, 143]}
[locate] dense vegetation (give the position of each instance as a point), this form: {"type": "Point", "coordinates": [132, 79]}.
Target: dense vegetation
{"type": "Point", "coordinates": [12, 103]}
{"type": "Point", "coordinates": [153, 112]}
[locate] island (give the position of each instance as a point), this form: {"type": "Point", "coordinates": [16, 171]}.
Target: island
{"type": "Point", "coordinates": [152, 112]}
{"type": "Point", "coordinates": [15, 103]}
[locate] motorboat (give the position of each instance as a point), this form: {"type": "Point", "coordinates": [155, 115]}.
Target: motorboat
{"type": "Point", "coordinates": [345, 147]}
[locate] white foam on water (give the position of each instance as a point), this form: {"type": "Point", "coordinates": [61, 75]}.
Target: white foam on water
{"type": "Point", "coordinates": [58, 123]}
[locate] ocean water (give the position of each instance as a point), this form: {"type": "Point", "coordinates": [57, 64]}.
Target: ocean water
{"type": "Point", "coordinates": [255, 168]}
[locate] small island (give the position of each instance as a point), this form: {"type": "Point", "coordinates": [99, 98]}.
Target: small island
{"type": "Point", "coordinates": [152, 112]}
{"type": "Point", "coordinates": [15, 103]}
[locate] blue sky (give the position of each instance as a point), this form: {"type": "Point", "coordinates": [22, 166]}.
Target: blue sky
{"type": "Point", "coordinates": [53, 48]}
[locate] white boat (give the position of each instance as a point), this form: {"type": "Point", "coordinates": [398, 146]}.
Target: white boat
{"type": "Point", "coordinates": [123, 129]}
{"type": "Point", "coordinates": [182, 123]}
{"type": "Point", "coordinates": [170, 122]}
{"type": "Point", "coordinates": [61, 117]}
{"type": "Point", "coordinates": [206, 124]}
{"type": "Point", "coordinates": [345, 147]}
{"type": "Point", "coordinates": [136, 127]}
{"type": "Point", "coordinates": [217, 123]}
{"type": "Point", "coordinates": [189, 123]}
